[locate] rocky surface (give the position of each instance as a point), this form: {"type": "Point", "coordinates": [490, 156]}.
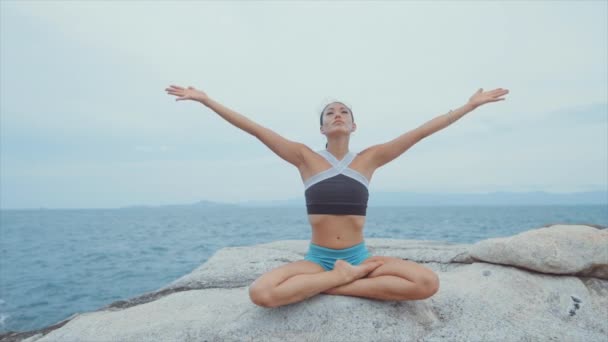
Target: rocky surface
{"type": "Point", "coordinates": [568, 250]}
{"type": "Point", "coordinates": [547, 284]}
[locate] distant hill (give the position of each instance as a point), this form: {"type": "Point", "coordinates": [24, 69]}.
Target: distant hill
{"type": "Point", "coordinates": [385, 199]}
{"type": "Point", "coordinates": [408, 199]}
{"type": "Point", "coordinates": [199, 204]}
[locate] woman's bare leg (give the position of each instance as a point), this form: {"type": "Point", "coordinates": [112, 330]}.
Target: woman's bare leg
{"type": "Point", "coordinates": [397, 279]}
{"type": "Point", "coordinates": [303, 286]}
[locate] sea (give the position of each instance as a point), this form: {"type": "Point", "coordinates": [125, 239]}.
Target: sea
{"type": "Point", "coordinates": [55, 263]}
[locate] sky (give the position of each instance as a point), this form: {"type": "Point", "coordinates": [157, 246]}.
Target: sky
{"type": "Point", "coordinates": [85, 121]}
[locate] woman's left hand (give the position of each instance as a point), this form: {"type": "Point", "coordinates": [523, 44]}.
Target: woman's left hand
{"type": "Point", "coordinates": [482, 97]}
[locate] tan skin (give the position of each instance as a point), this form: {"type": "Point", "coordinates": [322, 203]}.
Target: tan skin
{"type": "Point", "coordinates": [378, 277]}
{"type": "Point", "coordinates": [336, 231]}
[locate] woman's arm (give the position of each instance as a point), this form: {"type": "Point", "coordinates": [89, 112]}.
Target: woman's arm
{"type": "Point", "coordinates": [288, 150]}
{"type": "Point", "coordinates": [384, 153]}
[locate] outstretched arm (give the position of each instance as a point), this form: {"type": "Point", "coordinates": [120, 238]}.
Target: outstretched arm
{"type": "Point", "coordinates": [384, 153]}
{"type": "Point", "coordinates": [288, 150]}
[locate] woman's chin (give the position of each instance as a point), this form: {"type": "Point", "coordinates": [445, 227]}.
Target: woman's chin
{"type": "Point", "coordinates": [337, 132]}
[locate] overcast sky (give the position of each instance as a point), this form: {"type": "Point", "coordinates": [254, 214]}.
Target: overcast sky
{"type": "Point", "coordinates": [86, 123]}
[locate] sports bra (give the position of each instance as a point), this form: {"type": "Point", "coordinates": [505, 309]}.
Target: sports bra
{"type": "Point", "coordinates": [339, 190]}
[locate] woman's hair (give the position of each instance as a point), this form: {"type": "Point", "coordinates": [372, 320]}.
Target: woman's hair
{"type": "Point", "coordinates": [347, 107]}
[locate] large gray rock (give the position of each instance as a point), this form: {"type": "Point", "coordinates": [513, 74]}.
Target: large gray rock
{"type": "Point", "coordinates": [558, 249]}
{"type": "Point", "coordinates": [505, 299]}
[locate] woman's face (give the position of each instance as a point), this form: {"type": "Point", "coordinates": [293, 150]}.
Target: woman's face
{"type": "Point", "coordinates": [337, 118]}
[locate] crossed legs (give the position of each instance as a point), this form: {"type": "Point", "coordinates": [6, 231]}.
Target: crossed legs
{"type": "Point", "coordinates": [396, 279]}
{"type": "Point", "coordinates": [302, 279]}
{"type": "Point", "coordinates": [384, 278]}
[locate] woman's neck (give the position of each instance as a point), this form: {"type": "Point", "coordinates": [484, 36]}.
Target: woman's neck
{"type": "Point", "coordinates": [338, 149]}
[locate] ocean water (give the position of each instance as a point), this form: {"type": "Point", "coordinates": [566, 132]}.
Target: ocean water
{"type": "Point", "coordinates": [55, 263]}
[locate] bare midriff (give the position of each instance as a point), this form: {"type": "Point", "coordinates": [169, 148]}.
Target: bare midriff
{"type": "Point", "coordinates": [336, 231]}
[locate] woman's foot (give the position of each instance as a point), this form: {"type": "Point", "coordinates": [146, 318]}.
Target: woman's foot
{"type": "Point", "coordinates": [351, 273]}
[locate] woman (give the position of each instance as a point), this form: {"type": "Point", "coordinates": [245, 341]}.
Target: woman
{"type": "Point", "coordinates": [336, 181]}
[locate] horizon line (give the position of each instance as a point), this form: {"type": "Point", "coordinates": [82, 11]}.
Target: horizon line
{"type": "Point", "coordinates": [251, 203]}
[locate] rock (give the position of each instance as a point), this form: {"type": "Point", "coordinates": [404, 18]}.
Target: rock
{"type": "Point", "coordinates": [505, 298]}
{"type": "Point", "coordinates": [559, 249]}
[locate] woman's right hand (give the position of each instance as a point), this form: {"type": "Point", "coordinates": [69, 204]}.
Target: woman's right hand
{"type": "Point", "coordinates": [189, 93]}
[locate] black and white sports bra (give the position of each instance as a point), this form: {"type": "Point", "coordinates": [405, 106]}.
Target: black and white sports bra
{"type": "Point", "coordinates": [339, 190]}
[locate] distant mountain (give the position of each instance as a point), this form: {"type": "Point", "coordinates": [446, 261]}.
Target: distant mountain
{"type": "Point", "coordinates": [199, 204]}
{"type": "Point", "coordinates": [411, 199]}
{"type": "Point", "coordinates": [385, 199]}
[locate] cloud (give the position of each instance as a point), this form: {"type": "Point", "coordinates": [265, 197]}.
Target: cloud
{"type": "Point", "coordinates": [83, 97]}
{"type": "Point", "coordinates": [144, 148]}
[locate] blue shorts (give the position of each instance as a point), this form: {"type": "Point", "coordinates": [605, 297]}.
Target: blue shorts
{"type": "Point", "coordinates": [326, 257]}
